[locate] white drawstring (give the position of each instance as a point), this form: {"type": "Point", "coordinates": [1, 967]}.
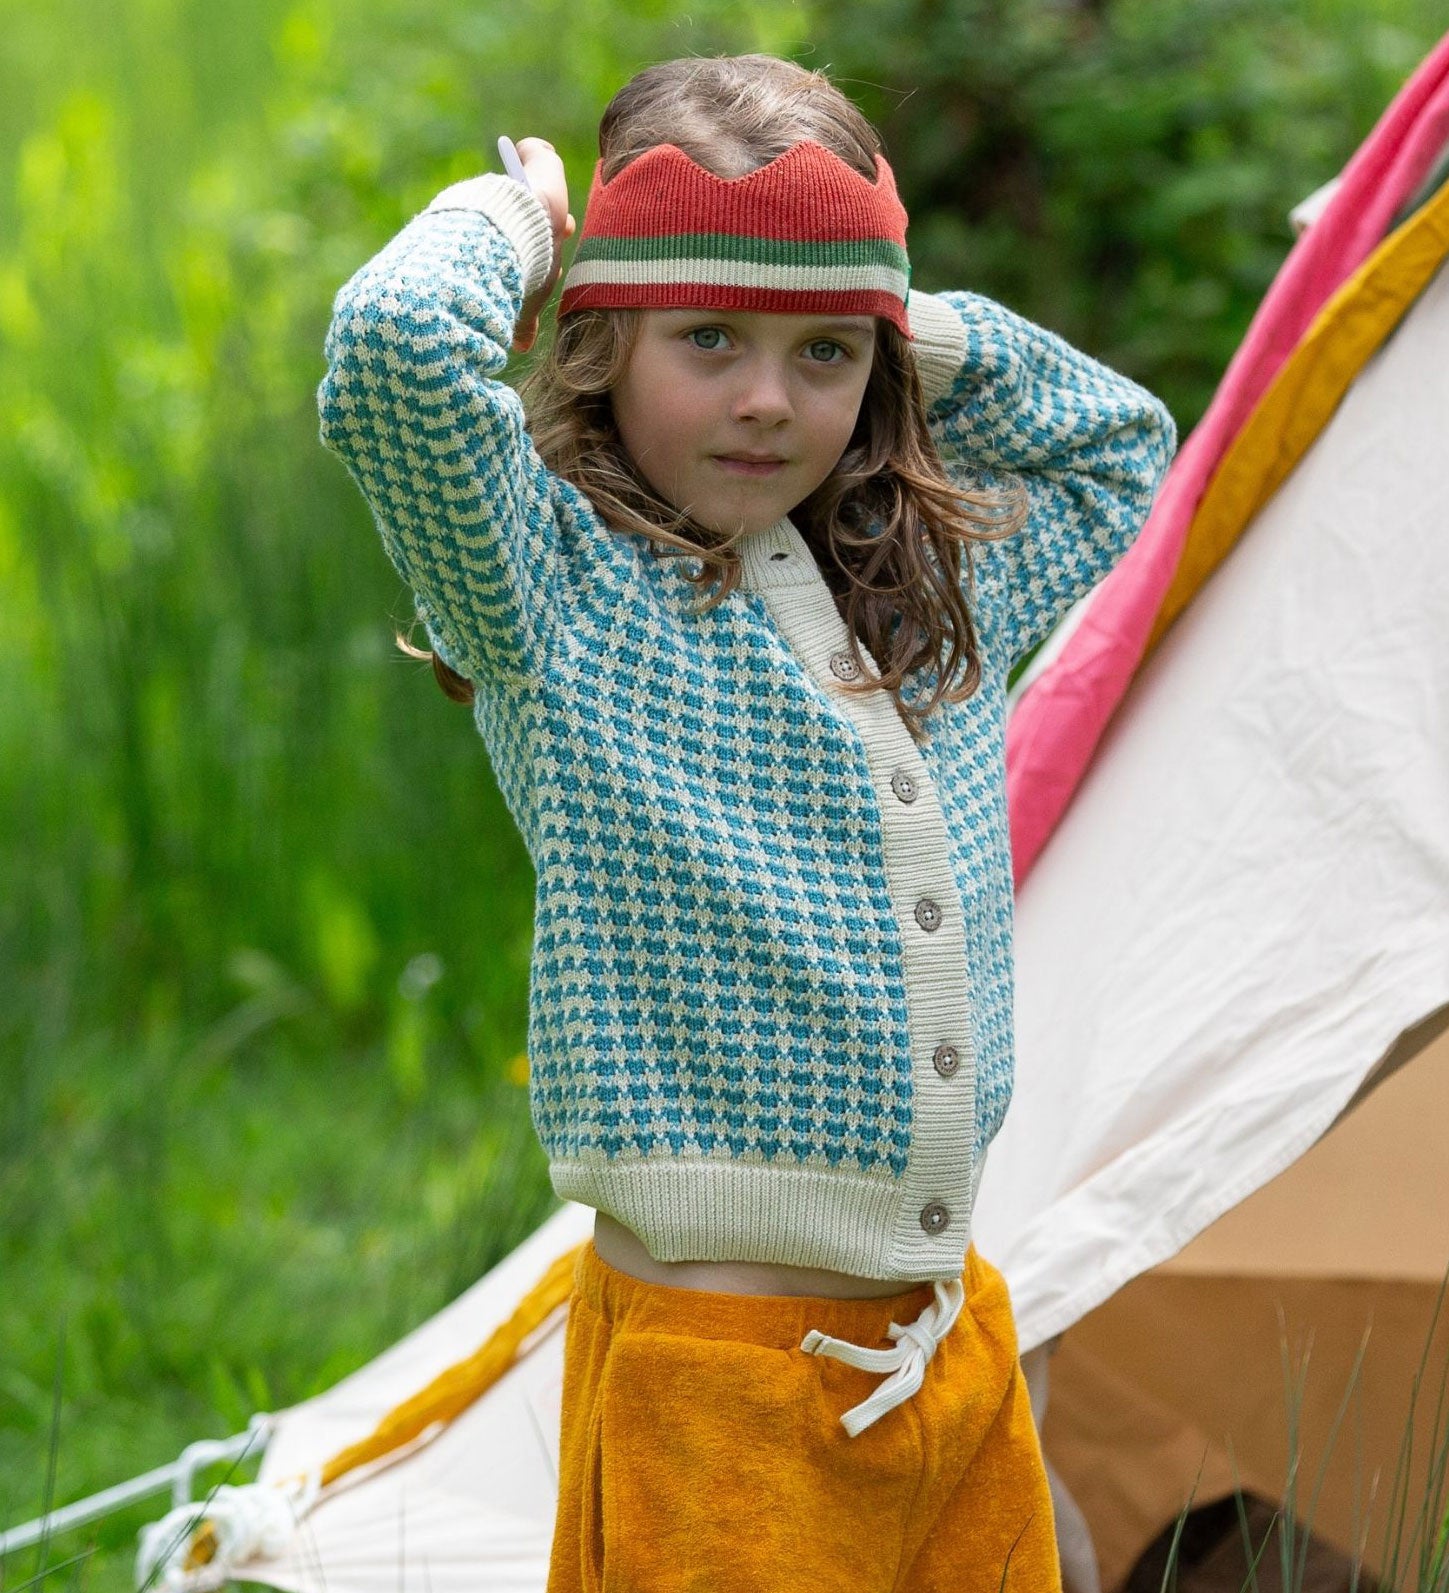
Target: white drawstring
{"type": "Point", "coordinates": [916, 1343]}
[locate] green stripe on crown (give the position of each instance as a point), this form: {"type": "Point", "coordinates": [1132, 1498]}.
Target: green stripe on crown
{"type": "Point", "coordinates": [733, 246]}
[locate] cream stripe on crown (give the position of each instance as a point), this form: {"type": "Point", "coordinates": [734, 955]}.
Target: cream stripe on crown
{"type": "Point", "coordinates": [738, 274]}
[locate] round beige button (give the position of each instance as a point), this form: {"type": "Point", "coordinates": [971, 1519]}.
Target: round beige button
{"type": "Point", "coordinates": [935, 1218]}
{"type": "Point", "coordinates": [928, 915]}
{"type": "Point", "coordinates": [844, 666]}
{"type": "Point", "coordinates": [946, 1059]}
{"type": "Point", "coordinates": [903, 786]}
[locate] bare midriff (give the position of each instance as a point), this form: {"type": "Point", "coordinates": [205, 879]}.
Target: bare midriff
{"type": "Point", "coordinates": [622, 1249]}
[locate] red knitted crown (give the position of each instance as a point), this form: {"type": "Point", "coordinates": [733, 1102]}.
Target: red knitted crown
{"type": "Point", "coordinates": [804, 233]}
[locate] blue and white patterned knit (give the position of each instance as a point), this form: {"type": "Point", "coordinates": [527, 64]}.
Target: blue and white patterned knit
{"type": "Point", "coordinates": [771, 991]}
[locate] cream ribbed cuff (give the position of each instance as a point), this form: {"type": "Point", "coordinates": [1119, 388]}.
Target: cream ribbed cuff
{"type": "Point", "coordinates": [520, 214]}
{"type": "Point", "coordinates": [939, 340]}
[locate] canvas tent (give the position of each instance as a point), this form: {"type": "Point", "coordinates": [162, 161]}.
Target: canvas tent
{"type": "Point", "coordinates": [1141, 1390]}
{"type": "Point", "coordinates": [1229, 784]}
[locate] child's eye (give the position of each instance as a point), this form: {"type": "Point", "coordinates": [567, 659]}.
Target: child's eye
{"type": "Point", "coordinates": [828, 343]}
{"type": "Point", "coordinates": [706, 331]}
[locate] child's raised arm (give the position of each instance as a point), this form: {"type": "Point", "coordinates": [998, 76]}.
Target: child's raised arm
{"type": "Point", "coordinates": [1090, 445]}
{"type": "Point", "coordinates": [412, 404]}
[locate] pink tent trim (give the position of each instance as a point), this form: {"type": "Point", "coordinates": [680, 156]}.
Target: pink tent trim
{"type": "Point", "coordinates": [1057, 723]}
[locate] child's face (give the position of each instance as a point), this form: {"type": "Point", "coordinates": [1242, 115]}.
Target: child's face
{"type": "Point", "coordinates": [702, 385]}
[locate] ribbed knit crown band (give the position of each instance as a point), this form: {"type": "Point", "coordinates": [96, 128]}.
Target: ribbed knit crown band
{"type": "Point", "coordinates": [805, 233]}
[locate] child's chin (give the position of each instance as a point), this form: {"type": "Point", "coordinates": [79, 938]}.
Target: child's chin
{"type": "Point", "coordinates": [743, 522]}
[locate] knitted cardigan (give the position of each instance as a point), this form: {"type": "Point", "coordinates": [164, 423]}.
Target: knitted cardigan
{"type": "Point", "coordinates": [770, 1013]}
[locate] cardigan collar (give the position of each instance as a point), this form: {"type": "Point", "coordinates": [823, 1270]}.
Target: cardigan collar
{"type": "Point", "coordinates": [777, 556]}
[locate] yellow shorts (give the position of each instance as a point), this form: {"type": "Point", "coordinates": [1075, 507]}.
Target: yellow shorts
{"type": "Point", "coordinates": [702, 1448]}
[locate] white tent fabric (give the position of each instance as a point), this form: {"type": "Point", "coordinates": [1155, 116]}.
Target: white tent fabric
{"type": "Point", "coordinates": [1246, 906]}
{"type": "Point", "coordinates": [480, 1494]}
{"type": "Point", "coordinates": [1248, 900]}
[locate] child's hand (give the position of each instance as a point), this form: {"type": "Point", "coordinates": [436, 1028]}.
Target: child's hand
{"type": "Point", "coordinates": [546, 177]}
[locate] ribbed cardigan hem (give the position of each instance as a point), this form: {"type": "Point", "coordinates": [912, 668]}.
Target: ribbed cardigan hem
{"type": "Point", "coordinates": [703, 1210]}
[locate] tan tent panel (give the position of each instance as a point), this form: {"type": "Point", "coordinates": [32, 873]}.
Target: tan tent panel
{"type": "Point", "coordinates": [1186, 1361]}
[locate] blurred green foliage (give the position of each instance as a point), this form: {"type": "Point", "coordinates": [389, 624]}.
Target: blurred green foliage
{"type": "Point", "coordinates": [211, 753]}
{"type": "Point", "coordinates": [264, 926]}
{"type": "Point", "coordinates": [1122, 170]}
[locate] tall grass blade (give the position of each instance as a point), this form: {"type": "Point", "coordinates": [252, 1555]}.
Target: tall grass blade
{"type": "Point", "coordinates": [52, 1452]}
{"type": "Point", "coordinates": [1006, 1566]}
{"type": "Point", "coordinates": [1352, 1388]}
{"type": "Point", "coordinates": [1250, 1584]}
{"type": "Point", "coordinates": [312, 1553]}
{"type": "Point", "coordinates": [190, 1524]}
{"type": "Point", "coordinates": [81, 1569]}
{"type": "Point", "coordinates": [1432, 1520]}
{"type": "Point", "coordinates": [1361, 1515]}
{"type": "Point", "coordinates": [1253, 1568]}
{"type": "Point", "coordinates": [1394, 1547]}
{"type": "Point", "coordinates": [1293, 1401]}
{"type": "Point", "coordinates": [1169, 1571]}
{"type": "Point", "coordinates": [51, 1570]}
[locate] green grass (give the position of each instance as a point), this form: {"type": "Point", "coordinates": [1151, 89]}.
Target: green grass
{"type": "Point", "coordinates": [1403, 1518]}
{"type": "Point", "coordinates": [201, 1243]}
{"type": "Point", "coordinates": [264, 923]}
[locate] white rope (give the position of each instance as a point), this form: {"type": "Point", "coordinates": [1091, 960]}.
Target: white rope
{"type": "Point", "coordinates": [916, 1343]}
{"type": "Point", "coordinates": [255, 1520]}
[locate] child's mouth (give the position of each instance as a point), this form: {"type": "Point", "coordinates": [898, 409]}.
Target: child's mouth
{"type": "Point", "coordinates": [750, 467]}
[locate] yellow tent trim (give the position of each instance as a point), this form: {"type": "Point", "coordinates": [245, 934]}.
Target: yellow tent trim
{"type": "Point", "coordinates": [454, 1390]}
{"type": "Point", "coordinates": [1304, 395]}
{"type": "Point", "coordinates": [449, 1394]}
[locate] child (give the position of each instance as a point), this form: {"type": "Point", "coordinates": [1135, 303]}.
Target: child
{"type": "Point", "coordinates": [745, 698]}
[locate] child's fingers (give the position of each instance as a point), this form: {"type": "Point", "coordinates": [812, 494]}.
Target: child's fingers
{"type": "Point", "coordinates": [546, 177]}
{"type": "Point", "coordinates": [541, 161]}
{"type": "Point", "coordinates": [523, 336]}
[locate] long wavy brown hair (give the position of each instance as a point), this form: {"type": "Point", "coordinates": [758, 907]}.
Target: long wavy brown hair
{"type": "Point", "coordinates": [889, 531]}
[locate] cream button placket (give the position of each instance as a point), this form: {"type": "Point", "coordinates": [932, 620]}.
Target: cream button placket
{"type": "Point", "coordinates": [938, 1184]}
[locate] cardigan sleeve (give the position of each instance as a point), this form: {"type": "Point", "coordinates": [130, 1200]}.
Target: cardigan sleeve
{"type": "Point", "coordinates": [413, 405]}
{"type": "Point", "coordinates": [1008, 398]}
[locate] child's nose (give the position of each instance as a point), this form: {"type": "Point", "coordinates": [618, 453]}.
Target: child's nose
{"type": "Point", "coordinates": [764, 394]}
